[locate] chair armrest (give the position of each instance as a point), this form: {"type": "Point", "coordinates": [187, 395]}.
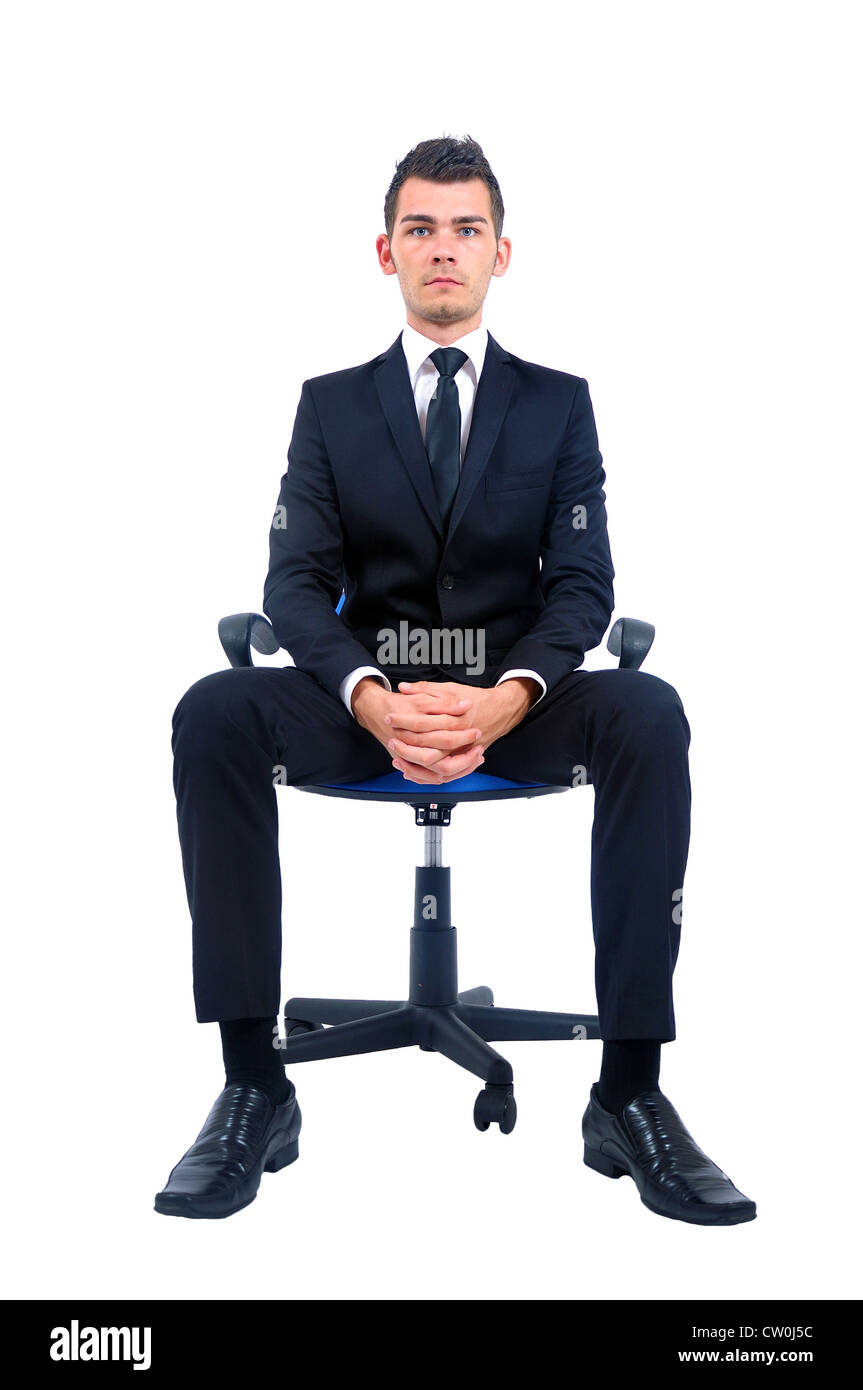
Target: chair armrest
{"type": "Point", "coordinates": [239, 632]}
{"type": "Point", "coordinates": [631, 640]}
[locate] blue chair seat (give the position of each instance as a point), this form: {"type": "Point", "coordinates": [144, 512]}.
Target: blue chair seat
{"type": "Point", "coordinates": [393, 786]}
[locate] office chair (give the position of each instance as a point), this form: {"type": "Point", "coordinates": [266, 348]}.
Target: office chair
{"type": "Point", "coordinates": [437, 1016]}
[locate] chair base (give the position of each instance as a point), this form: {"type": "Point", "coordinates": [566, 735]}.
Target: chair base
{"type": "Point", "coordinates": [460, 1031]}
{"type": "Point", "coordinates": [437, 1016]}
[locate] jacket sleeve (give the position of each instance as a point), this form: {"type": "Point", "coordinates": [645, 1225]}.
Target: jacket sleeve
{"type": "Point", "coordinates": [305, 577]}
{"type": "Point", "coordinates": [576, 577]}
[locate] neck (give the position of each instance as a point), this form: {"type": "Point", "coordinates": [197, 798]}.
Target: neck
{"type": "Point", "coordinates": [444, 333]}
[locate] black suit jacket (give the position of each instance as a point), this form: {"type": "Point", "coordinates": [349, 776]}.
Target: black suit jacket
{"type": "Point", "coordinates": [357, 511]}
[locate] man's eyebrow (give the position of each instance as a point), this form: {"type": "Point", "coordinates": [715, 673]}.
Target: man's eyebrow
{"type": "Point", "coordinates": [424, 217]}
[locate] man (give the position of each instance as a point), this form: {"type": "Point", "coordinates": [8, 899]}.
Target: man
{"type": "Point", "coordinates": [450, 487]}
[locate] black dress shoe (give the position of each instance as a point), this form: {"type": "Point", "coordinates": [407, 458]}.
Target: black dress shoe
{"type": "Point", "coordinates": [674, 1176]}
{"type": "Point", "coordinates": [244, 1135]}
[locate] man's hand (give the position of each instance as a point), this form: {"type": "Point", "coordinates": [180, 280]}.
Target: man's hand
{"type": "Point", "coordinates": [455, 748]}
{"type": "Point", "coordinates": [438, 730]}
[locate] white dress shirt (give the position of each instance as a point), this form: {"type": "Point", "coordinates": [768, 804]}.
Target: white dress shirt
{"type": "Point", "coordinates": [424, 375]}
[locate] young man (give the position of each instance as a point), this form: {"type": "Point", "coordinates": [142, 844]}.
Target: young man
{"type": "Point", "coordinates": [448, 486]}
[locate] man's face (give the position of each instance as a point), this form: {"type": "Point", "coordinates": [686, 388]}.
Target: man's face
{"type": "Point", "coordinates": [444, 251]}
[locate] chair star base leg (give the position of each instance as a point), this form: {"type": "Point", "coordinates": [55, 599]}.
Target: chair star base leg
{"type": "Point", "coordinates": [460, 1031]}
{"type": "Point", "coordinates": [338, 1010]}
{"type": "Point", "coordinates": [522, 1025]}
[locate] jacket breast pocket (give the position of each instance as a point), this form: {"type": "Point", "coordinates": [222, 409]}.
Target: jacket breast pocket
{"type": "Point", "coordinates": [516, 482]}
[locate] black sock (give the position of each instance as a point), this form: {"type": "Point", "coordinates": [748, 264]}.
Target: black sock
{"type": "Point", "coordinates": [249, 1056]}
{"type": "Point", "coordinates": [629, 1066]}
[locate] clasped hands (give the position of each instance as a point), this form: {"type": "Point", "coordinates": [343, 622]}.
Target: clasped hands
{"type": "Point", "coordinates": [436, 731]}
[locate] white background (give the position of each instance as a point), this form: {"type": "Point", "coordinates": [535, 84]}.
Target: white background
{"type": "Point", "coordinates": [192, 197]}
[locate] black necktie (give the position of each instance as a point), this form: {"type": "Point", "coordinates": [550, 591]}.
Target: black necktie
{"type": "Point", "coordinates": [443, 429]}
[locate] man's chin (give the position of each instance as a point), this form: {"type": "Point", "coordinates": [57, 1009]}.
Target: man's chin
{"type": "Point", "coordinates": [445, 312]}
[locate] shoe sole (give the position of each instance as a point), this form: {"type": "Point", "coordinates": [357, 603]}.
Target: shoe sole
{"type": "Point", "coordinates": [289, 1154]}
{"type": "Point", "coordinates": [610, 1168]}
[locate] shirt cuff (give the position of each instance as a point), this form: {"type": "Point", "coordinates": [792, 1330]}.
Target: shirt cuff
{"type": "Point", "coordinates": [346, 688]}
{"type": "Point", "coordinates": [534, 676]}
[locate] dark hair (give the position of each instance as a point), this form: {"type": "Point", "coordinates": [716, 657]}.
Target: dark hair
{"type": "Point", "coordinates": [445, 160]}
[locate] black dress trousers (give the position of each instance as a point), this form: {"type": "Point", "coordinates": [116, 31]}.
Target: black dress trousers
{"type": "Point", "coordinates": [624, 732]}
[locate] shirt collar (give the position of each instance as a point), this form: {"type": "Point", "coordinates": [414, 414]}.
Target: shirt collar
{"type": "Point", "coordinates": [417, 348]}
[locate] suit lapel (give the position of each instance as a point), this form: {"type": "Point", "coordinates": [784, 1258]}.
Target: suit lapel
{"type": "Point", "coordinates": [397, 402]}
{"type": "Point", "coordinates": [489, 408]}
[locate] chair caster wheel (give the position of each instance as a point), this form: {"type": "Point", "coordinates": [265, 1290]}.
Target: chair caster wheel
{"type": "Point", "coordinates": [295, 1026]}
{"type": "Point", "coordinates": [495, 1105]}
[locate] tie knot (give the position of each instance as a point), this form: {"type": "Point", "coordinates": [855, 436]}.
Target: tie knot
{"type": "Point", "coordinates": [448, 360]}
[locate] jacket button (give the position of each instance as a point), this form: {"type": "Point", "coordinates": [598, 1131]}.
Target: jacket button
{"type": "Point", "coordinates": [447, 582]}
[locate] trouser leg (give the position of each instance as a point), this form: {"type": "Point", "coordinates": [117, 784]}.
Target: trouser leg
{"type": "Point", "coordinates": [629, 732]}
{"type": "Point", "coordinates": [234, 733]}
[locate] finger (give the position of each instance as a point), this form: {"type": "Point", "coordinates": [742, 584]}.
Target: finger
{"type": "Point", "coordinates": [431, 723]}
{"type": "Point", "coordinates": [425, 756]}
{"type": "Point", "coordinates": [445, 771]}
{"type": "Point", "coordinates": [428, 685]}
{"type": "Point", "coordinates": [431, 697]}
{"type": "Point", "coordinates": [436, 713]}
{"type": "Point", "coordinates": [431, 775]}
{"type": "Point", "coordinates": [415, 773]}
{"type": "Point", "coordinates": [457, 764]}
{"type": "Point", "coordinates": [438, 746]}
{"type": "Point", "coordinates": [439, 690]}
{"type": "Point", "coordinates": [448, 740]}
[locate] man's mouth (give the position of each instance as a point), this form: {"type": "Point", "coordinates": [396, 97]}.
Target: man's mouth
{"type": "Point", "coordinates": [444, 280]}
